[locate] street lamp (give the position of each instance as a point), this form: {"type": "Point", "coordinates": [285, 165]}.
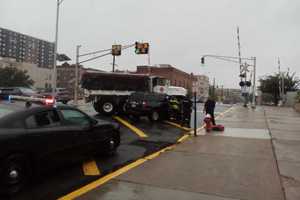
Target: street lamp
{"type": "Point", "coordinates": [76, 75]}
{"type": "Point", "coordinates": [58, 2]}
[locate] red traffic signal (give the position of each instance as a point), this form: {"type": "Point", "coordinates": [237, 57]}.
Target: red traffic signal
{"type": "Point", "coordinates": [141, 48]}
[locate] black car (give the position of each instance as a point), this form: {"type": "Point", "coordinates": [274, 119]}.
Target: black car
{"type": "Point", "coordinates": [61, 95]}
{"type": "Point", "coordinates": [152, 105]}
{"type": "Point", "coordinates": [36, 138]}
{"type": "Point", "coordinates": [19, 91]}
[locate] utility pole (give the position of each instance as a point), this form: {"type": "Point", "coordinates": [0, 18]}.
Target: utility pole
{"type": "Point", "coordinates": [253, 84]}
{"type": "Point", "coordinates": [279, 80]}
{"type": "Point", "coordinates": [76, 75]}
{"type": "Point", "coordinates": [58, 2]}
{"type": "Point", "coordinates": [239, 48]}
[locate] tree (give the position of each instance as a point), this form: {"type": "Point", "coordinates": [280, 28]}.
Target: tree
{"type": "Point", "coordinates": [13, 77]}
{"type": "Point", "coordinates": [270, 84]}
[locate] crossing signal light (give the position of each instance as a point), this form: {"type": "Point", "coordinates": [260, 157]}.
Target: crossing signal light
{"type": "Point", "coordinates": [141, 48]}
{"type": "Point", "coordinates": [116, 50]}
{"type": "Point", "coordinates": [202, 60]}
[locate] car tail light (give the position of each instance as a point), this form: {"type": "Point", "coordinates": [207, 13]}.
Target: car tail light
{"type": "Point", "coordinates": [49, 101]}
{"type": "Point", "coordinates": [144, 103]}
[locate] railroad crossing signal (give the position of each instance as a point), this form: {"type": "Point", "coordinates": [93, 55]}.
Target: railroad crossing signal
{"type": "Point", "coordinates": [141, 48]}
{"type": "Point", "coordinates": [116, 50]}
{"type": "Point", "coordinates": [202, 60]}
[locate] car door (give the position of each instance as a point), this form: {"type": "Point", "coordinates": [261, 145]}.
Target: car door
{"type": "Point", "coordinates": [82, 123]}
{"type": "Point", "coordinates": [52, 142]}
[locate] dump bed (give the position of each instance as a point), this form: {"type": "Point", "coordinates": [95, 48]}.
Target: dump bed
{"type": "Point", "coordinates": [115, 81]}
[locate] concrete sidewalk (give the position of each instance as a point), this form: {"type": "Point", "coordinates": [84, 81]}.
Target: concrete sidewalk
{"type": "Point", "coordinates": [285, 131]}
{"type": "Point", "coordinates": [237, 164]}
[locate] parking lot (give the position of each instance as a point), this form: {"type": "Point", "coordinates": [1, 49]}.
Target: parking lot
{"type": "Point", "coordinates": [138, 140]}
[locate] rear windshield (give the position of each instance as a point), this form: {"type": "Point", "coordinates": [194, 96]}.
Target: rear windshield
{"type": "Point", "coordinates": [8, 91]}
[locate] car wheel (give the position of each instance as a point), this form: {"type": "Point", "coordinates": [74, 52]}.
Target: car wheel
{"type": "Point", "coordinates": [15, 174]}
{"type": "Point", "coordinates": [112, 145]}
{"type": "Point", "coordinates": [154, 116]}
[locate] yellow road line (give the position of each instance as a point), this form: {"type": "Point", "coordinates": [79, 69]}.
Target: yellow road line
{"type": "Point", "coordinates": [137, 131]}
{"type": "Point", "coordinates": [112, 175]}
{"type": "Point", "coordinates": [90, 168]}
{"type": "Point", "coordinates": [178, 126]}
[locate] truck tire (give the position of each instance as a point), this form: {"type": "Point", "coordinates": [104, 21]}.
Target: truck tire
{"type": "Point", "coordinates": [107, 106]}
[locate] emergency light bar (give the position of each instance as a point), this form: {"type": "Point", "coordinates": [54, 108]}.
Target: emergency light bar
{"type": "Point", "coordinates": [47, 101]}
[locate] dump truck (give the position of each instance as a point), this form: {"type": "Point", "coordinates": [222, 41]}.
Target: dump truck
{"type": "Point", "coordinates": [109, 91]}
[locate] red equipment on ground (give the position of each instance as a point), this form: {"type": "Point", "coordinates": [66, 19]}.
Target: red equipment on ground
{"type": "Point", "coordinates": [209, 126]}
{"type": "Point", "coordinates": [208, 123]}
{"type": "Point", "coordinates": [218, 128]}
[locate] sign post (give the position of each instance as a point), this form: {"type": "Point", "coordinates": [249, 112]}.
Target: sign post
{"type": "Point", "coordinates": [195, 108]}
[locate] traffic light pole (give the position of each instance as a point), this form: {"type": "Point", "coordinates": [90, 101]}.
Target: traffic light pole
{"type": "Point", "coordinates": [113, 65]}
{"type": "Point", "coordinates": [149, 63]}
{"type": "Point", "coordinates": [195, 114]}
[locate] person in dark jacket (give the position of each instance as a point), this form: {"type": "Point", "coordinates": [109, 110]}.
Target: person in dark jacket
{"type": "Point", "coordinates": [209, 108]}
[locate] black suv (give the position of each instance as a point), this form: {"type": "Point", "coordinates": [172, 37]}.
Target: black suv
{"type": "Point", "coordinates": [152, 105]}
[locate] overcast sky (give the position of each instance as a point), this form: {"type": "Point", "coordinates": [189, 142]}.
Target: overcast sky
{"type": "Point", "coordinates": [178, 31]}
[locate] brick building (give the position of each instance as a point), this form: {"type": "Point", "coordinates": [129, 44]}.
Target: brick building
{"type": "Point", "coordinates": [66, 76]}
{"type": "Point", "coordinates": [176, 76]}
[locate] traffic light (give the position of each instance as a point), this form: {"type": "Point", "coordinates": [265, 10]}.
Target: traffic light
{"type": "Point", "coordinates": [248, 83]}
{"type": "Point", "coordinates": [116, 50]}
{"type": "Point", "coordinates": [141, 48]}
{"type": "Point", "coordinates": [202, 60]}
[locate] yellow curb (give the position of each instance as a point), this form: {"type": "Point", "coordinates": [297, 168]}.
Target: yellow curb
{"type": "Point", "coordinates": [183, 138]}
{"type": "Point", "coordinates": [178, 126]}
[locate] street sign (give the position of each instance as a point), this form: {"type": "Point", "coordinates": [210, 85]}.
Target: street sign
{"type": "Point", "coordinates": [116, 50]}
{"type": "Point", "coordinates": [244, 68]}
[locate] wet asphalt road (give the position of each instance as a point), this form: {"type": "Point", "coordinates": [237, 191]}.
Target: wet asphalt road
{"type": "Point", "coordinates": [62, 181]}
